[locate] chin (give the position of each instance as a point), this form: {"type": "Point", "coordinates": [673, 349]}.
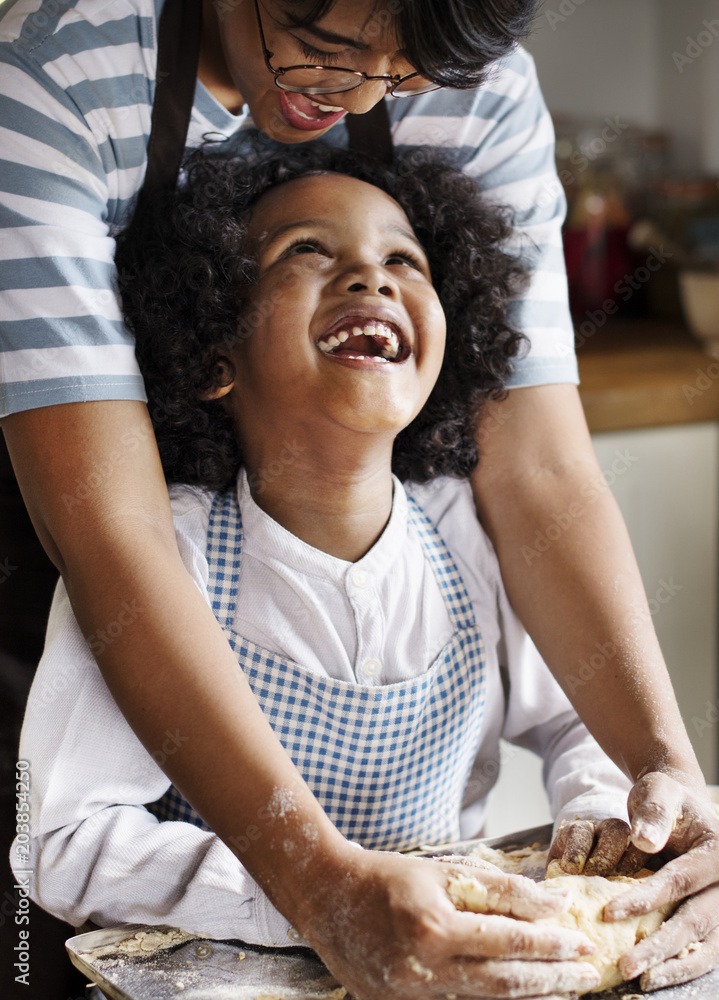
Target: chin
{"type": "Point", "coordinates": [289, 136]}
{"type": "Point", "coordinates": [388, 427]}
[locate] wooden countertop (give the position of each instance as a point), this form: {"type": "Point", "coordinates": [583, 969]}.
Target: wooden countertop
{"type": "Point", "coordinates": [646, 374]}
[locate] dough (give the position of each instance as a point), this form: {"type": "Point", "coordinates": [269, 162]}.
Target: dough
{"type": "Point", "coordinates": [589, 894]}
{"type": "Point", "coordinates": [529, 861]}
{"type": "Point", "coordinates": [143, 942]}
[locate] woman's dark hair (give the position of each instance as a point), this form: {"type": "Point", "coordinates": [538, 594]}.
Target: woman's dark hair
{"type": "Point", "coordinates": [186, 278]}
{"type": "Point", "coordinates": [452, 42]}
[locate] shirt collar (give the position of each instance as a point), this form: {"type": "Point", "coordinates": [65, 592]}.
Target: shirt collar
{"type": "Point", "coordinates": [264, 539]}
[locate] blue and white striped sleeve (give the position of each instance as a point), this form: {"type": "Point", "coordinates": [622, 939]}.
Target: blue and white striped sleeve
{"type": "Point", "coordinates": [61, 333]}
{"type": "Point", "coordinates": [502, 134]}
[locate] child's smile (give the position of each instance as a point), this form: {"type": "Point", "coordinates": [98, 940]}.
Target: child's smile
{"type": "Point", "coordinates": [373, 339]}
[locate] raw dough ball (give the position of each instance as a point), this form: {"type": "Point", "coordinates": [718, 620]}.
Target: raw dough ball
{"type": "Point", "coordinates": [589, 894]}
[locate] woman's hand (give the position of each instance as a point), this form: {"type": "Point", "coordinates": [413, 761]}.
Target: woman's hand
{"type": "Point", "coordinates": [385, 927]}
{"type": "Point", "coordinates": [672, 815]}
{"type": "Point", "coordinates": [669, 813]}
{"type": "Point", "coordinates": [596, 848]}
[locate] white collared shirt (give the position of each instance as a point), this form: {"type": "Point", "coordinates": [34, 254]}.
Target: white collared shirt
{"type": "Point", "coordinates": [99, 855]}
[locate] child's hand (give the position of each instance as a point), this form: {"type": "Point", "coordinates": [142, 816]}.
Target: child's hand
{"type": "Point", "coordinates": [596, 848]}
{"type": "Point", "coordinates": [670, 812]}
{"type": "Point", "coordinates": [385, 926]}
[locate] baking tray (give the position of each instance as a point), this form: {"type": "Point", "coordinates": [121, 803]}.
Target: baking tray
{"type": "Point", "coordinates": [202, 969]}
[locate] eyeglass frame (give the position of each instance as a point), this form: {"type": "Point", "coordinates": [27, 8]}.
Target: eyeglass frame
{"type": "Point", "coordinates": [363, 77]}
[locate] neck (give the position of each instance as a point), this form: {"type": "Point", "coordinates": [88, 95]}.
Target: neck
{"type": "Point", "coordinates": [212, 69]}
{"type": "Point", "coordinates": [336, 499]}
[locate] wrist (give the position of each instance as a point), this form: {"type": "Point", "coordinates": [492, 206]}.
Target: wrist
{"type": "Point", "coordinates": [685, 771]}
{"type": "Point", "coordinates": [317, 882]}
{"type": "Point", "coordinates": [307, 861]}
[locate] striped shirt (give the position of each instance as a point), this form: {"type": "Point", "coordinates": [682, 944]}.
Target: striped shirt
{"type": "Point", "coordinates": [77, 82]}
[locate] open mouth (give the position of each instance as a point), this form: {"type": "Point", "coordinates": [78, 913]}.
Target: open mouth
{"type": "Point", "coordinates": [360, 339]}
{"type": "Point", "coordinates": [309, 114]}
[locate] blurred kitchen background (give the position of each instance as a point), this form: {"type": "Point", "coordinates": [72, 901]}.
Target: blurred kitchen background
{"type": "Point", "coordinates": [633, 86]}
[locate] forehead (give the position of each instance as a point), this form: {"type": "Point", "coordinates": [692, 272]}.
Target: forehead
{"type": "Point", "coordinates": [369, 23]}
{"type": "Point", "coordinates": [333, 198]}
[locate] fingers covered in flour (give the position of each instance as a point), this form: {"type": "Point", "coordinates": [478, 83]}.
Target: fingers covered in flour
{"type": "Point", "coordinates": [655, 804]}
{"type": "Point", "coordinates": [697, 961]}
{"type": "Point", "coordinates": [491, 936]}
{"type": "Point", "coordinates": [385, 925]}
{"type": "Point", "coordinates": [510, 979]}
{"type": "Point", "coordinates": [611, 840]}
{"type": "Point", "coordinates": [689, 940]}
{"type": "Point", "coordinates": [632, 861]}
{"type": "Point", "coordinates": [601, 847]}
{"type": "Point", "coordinates": [572, 845]}
{"type": "Point", "coordinates": [672, 883]}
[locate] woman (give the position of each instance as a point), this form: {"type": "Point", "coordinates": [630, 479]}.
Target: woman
{"type": "Point", "coordinates": [78, 84]}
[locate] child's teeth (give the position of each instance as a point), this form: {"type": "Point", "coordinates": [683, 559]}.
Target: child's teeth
{"type": "Point", "coordinates": [378, 331]}
{"type": "Point", "coordinates": [391, 348]}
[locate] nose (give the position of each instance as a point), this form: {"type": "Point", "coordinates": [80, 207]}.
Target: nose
{"type": "Point", "coordinates": [360, 100]}
{"type": "Point", "coordinates": [370, 279]}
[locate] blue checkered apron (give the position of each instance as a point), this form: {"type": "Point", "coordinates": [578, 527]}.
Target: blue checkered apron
{"type": "Point", "coordinates": [388, 763]}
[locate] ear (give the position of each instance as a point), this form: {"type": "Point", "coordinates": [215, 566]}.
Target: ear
{"type": "Point", "coordinates": [223, 381]}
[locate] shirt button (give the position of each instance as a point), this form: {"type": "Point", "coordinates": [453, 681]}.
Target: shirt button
{"type": "Point", "coordinates": [295, 936]}
{"type": "Point", "coordinates": [371, 667]}
{"type": "Point", "coordinates": [360, 577]}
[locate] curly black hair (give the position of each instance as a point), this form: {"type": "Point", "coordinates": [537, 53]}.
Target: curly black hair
{"type": "Point", "coordinates": [186, 276]}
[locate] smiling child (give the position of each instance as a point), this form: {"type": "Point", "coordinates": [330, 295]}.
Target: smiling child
{"type": "Point", "coordinates": [317, 337]}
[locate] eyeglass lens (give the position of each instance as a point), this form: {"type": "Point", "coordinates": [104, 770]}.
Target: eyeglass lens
{"type": "Point", "coordinates": [323, 81]}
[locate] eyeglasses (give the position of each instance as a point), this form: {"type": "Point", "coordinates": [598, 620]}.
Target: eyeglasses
{"type": "Point", "coordinates": [313, 79]}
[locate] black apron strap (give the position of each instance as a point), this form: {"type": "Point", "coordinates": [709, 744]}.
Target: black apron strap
{"type": "Point", "coordinates": [178, 54]}
{"type": "Point", "coordinates": [370, 133]}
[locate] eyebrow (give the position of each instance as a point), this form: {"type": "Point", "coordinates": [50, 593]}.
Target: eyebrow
{"type": "Point", "coordinates": [330, 37]}
{"type": "Point", "coordinates": [274, 234]}
{"type": "Point", "coordinates": [408, 235]}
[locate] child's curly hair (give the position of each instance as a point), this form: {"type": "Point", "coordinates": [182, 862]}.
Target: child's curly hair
{"type": "Point", "coordinates": [186, 279]}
